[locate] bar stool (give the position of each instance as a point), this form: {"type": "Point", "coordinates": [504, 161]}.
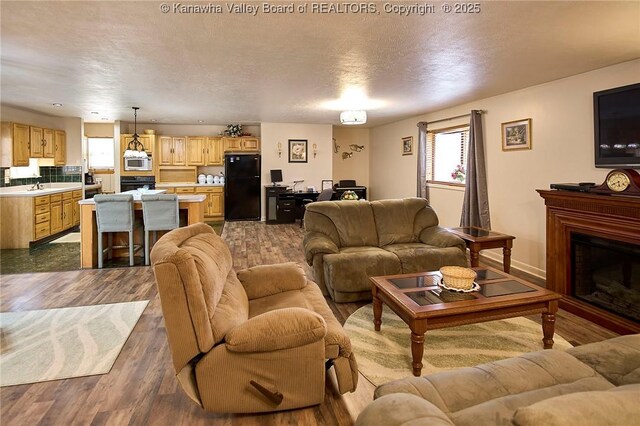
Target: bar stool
{"type": "Point", "coordinates": [160, 213]}
{"type": "Point", "coordinates": [114, 213]}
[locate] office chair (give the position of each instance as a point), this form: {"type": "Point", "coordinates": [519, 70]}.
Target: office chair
{"type": "Point", "coordinates": [325, 195]}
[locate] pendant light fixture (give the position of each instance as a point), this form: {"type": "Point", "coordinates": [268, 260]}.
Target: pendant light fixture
{"type": "Point", "coordinates": [352, 118]}
{"type": "Point", "coordinates": [135, 148]}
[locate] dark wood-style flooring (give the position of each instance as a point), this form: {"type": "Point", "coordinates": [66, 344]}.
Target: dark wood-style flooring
{"type": "Point", "coordinates": [141, 388]}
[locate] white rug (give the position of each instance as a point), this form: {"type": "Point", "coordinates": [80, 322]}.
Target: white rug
{"type": "Point", "coordinates": [385, 355]}
{"type": "Point", "coordinates": [72, 237]}
{"type": "Point", "coordinates": [53, 344]}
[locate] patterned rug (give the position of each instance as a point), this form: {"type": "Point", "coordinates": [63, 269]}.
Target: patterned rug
{"type": "Point", "coordinates": [53, 344]}
{"type": "Point", "coordinates": [386, 355]}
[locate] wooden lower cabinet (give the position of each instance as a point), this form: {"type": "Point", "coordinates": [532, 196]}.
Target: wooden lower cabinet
{"type": "Point", "coordinates": [77, 196]}
{"type": "Point", "coordinates": [213, 205]}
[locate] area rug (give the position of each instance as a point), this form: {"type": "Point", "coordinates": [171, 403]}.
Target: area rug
{"type": "Point", "coordinates": [386, 355]}
{"type": "Point", "coordinates": [53, 344]}
{"type": "Point", "coordinates": [72, 237]}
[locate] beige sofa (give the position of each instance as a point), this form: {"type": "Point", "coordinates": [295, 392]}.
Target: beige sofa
{"type": "Point", "coordinates": [248, 342]}
{"type": "Point", "coordinates": [594, 384]}
{"type": "Point", "coordinates": [346, 242]}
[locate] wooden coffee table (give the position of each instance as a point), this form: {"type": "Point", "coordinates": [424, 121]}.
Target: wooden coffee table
{"type": "Point", "coordinates": [480, 239]}
{"type": "Point", "coordinates": [423, 305]}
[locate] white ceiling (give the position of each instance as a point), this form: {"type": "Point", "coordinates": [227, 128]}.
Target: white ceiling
{"type": "Point", "coordinates": [224, 68]}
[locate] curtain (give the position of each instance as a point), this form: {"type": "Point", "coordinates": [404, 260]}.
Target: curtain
{"type": "Point", "coordinates": [475, 209]}
{"type": "Point", "coordinates": [422, 188]}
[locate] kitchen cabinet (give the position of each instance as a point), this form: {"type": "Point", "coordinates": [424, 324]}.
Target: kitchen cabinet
{"type": "Point", "coordinates": [36, 145]}
{"type": "Point", "coordinates": [214, 154]}
{"type": "Point", "coordinates": [196, 151]}
{"type": "Point", "coordinates": [172, 151]}
{"type": "Point", "coordinates": [214, 204]}
{"type": "Point", "coordinates": [15, 144]}
{"type": "Point", "coordinates": [56, 213]}
{"type": "Point", "coordinates": [60, 147]}
{"type": "Point", "coordinates": [77, 196]}
{"type": "Point", "coordinates": [67, 210]}
{"type": "Point", "coordinates": [250, 144]}
{"type": "Point", "coordinates": [48, 143]}
{"type": "Point", "coordinates": [41, 217]}
{"type": "Point", "coordinates": [243, 144]}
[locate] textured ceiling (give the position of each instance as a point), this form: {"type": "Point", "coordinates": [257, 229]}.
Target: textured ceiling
{"type": "Point", "coordinates": [108, 56]}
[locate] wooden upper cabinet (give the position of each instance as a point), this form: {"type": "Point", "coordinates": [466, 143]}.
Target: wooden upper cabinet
{"type": "Point", "coordinates": [36, 142]}
{"type": "Point", "coordinates": [214, 152]}
{"type": "Point", "coordinates": [60, 147]}
{"type": "Point", "coordinates": [231, 144]}
{"type": "Point", "coordinates": [48, 147]}
{"type": "Point", "coordinates": [241, 144]}
{"type": "Point", "coordinates": [172, 151]}
{"type": "Point", "coordinates": [196, 150]}
{"type": "Point", "coordinates": [15, 144]}
{"type": "Point", "coordinates": [250, 144]}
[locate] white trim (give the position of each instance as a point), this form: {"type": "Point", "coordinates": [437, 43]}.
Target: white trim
{"type": "Point", "coordinates": [515, 264]}
{"type": "Point", "coordinates": [446, 187]}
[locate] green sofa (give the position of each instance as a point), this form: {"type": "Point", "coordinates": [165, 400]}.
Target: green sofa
{"type": "Point", "coordinates": [594, 384]}
{"type": "Point", "coordinates": [346, 242]}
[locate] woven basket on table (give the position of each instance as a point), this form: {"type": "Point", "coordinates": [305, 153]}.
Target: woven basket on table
{"type": "Point", "coordinates": [458, 277]}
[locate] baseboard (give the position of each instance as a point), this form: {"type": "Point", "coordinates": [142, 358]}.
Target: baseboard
{"type": "Point", "coordinates": [528, 272]}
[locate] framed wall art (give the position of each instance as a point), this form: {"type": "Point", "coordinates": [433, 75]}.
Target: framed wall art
{"type": "Point", "coordinates": [516, 135]}
{"type": "Point", "coordinates": [298, 150]}
{"type": "Point", "coordinates": [326, 184]}
{"type": "Point", "coordinates": [407, 145]}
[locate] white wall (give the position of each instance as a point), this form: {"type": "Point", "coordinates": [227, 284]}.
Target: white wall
{"type": "Point", "coordinates": [98, 130]}
{"type": "Point", "coordinates": [356, 167]}
{"type": "Point", "coordinates": [314, 171]}
{"type": "Point", "coordinates": [187, 129]}
{"type": "Point", "coordinates": [562, 151]}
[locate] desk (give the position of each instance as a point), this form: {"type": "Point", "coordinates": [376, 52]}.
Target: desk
{"type": "Point", "coordinates": [285, 206]}
{"type": "Point", "coordinates": [191, 208]}
{"type": "Point", "coordinates": [480, 239]}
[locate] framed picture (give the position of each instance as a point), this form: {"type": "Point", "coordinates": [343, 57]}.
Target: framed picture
{"type": "Point", "coordinates": [326, 184]}
{"type": "Point", "coordinates": [407, 145]}
{"type": "Point", "coordinates": [516, 135]}
{"type": "Point", "coordinates": [298, 150]}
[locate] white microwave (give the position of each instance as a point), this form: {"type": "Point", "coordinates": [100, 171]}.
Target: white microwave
{"type": "Point", "coordinates": [138, 163]}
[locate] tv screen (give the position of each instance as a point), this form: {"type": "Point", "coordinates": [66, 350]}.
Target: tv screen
{"type": "Point", "coordinates": [617, 127]}
{"type": "Point", "coordinates": [276, 176]}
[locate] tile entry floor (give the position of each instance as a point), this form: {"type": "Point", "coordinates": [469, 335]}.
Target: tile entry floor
{"type": "Point", "coordinates": [57, 257]}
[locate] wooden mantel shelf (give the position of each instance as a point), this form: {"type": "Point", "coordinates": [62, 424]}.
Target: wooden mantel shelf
{"type": "Point", "coordinates": [610, 217]}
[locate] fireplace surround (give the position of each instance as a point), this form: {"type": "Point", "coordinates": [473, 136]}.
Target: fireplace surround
{"type": "Point", "coordinates": [593, 242]}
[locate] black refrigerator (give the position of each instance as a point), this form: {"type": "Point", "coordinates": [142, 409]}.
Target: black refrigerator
{"type": "Point", "coordinates": [242, 187]}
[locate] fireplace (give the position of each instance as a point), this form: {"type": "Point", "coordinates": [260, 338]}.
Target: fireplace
{"type": "Point", "coordinates": [593, 256]}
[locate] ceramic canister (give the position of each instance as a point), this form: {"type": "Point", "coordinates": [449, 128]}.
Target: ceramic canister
{"type": "Point", "coordinates": [201, 178]}
{"type": "Point", "coordinates": [210, 179]}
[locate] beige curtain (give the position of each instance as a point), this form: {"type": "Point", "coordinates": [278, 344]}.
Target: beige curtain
{"type": "Point", "coordinates": [475, 209]}
{"type": "Point", "coordinates": [422, 188]}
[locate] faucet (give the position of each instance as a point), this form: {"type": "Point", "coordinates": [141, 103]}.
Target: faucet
{"type": "Point", "coordinates": [37, 185]}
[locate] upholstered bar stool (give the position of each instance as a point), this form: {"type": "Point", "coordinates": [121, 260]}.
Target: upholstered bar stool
{"type": "Point", "coordinates": [114, 213]}
{"type": "Point", "coordinates": [160, 213]}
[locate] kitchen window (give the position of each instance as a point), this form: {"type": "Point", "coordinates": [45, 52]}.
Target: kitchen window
{"type": "Point", "coordinates": [101, 153]}
{"type": "Point", "coordinates": [447, 155]}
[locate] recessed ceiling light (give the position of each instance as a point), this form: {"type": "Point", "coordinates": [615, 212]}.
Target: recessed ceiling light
{"type": "Point", "coordinates": [200, 121]}
{"type": "Point", "coordinates": [95, 112]}
{"type": "Point", "coordinates": [105, 118]}
{"type": "Point", "coordinates": [57, 104]}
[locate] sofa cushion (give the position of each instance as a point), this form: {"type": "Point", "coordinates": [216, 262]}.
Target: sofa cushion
{"type": "Point", "coordinates": [419, 257]}
{"type": "Point", "coordinates": [353, 220]}
{"type": "Point", "coordinates": [617, 359]}
{"type": "Point", "coordinates": [396, 220]}
{"type": "Point", "coordinates": [618, 406]}
{"type": "Point", "coordinates": [265, 280]}
{"type": "Point", "coordinates": [232, 309]}
{"type": "Point", "coordinates": [349, 270]}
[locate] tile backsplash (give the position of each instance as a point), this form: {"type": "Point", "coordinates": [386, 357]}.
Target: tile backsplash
{"type": "Point", "coordinates": [47, 174]}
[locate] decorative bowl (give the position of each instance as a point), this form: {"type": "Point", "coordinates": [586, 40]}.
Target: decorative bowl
{"type": "Point", "coordinates": [349, 195]}
{"type": "Point", "coordinates": [458, 277]}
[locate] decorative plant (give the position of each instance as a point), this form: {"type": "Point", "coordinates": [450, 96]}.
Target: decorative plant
{"type": "Point", "coordinates": [349, 195]}
{"type": "Point", "coordinates": [234, 130]}
{"type": "Point", "coordinates": [459, 173]}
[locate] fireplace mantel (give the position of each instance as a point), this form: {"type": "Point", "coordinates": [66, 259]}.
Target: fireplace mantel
{"type": "Point", "coordinates": [611, 217]}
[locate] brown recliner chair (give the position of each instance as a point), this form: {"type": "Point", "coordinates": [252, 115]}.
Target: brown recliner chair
{"type": "Point", "coordinates": [254, 341]}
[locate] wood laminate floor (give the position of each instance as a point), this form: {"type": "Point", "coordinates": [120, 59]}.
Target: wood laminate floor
{"type": "Point", "coordinates": [141, 388]}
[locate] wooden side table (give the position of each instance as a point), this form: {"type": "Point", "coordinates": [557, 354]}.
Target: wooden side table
{"type": "Point", "coordinates": [481, 239]}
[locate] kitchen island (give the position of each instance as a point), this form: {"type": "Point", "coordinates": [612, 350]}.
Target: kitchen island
{"type": "Point", "coordinates": [191, 211]}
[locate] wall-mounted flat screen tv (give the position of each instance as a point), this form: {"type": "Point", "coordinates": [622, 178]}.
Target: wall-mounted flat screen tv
{"type": "Point", "coordinates": [616, 115]}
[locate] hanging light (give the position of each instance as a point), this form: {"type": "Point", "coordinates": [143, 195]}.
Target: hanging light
{"type": "Point", "coordinates": [135, 148]}
{"type": "Point", "coordinates": [353, 117]}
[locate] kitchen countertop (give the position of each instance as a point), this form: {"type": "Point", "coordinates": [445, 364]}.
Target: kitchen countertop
{"type": "Point", "coordinates": [181, 184]}
{"type": "Point", "coordinates": [49, 188]}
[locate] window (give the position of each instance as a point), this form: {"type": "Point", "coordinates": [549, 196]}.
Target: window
{"type": "Point", "coordinates": [100, 153]}
{"type": "Point", "coordinates": [447, 155]}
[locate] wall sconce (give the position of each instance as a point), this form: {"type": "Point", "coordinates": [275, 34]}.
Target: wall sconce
{"type": "Point", "coordinates": [279, 149]}
{"type": "Point", "coordinates": [315, 150]}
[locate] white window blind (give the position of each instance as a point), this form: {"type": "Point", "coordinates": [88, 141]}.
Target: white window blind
{"type": "Point", "coordinates": [100, 153]}
{"type": "Point", "coordinates": [447, 155]}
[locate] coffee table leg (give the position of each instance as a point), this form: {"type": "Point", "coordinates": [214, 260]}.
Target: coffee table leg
{"type": "Point", "coordinates": [377, 308]}
{"type": "Point", "coordinates": [549, 324]}
{"type": "Point", "coordinates": [417, 345]}
{"type": "Point", "coordinates": [506, 257]}
{"type": "Point", "coordinates": [474, 253]}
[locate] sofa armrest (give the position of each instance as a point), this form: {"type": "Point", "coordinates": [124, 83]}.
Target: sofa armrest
{"type": "Point", "coordinates": [266, 280]}
{"type": "Point", "coordinates": [440, 237]}
{"type": "Point", "coordinates": [317, 243]}
{"type": "Point", "coordinates": [276, 330]}
{"type": "Point", "coordinates": [402, 409]}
